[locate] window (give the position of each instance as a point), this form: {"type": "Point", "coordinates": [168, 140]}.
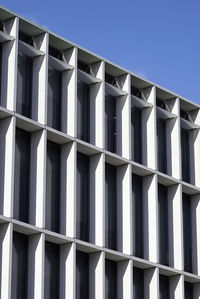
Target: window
{"type": "Point", "coordinates": [53, 170]}
{"type": "Point", "coordinates": [22, 175]}
{"type": "Point", "coordinates": [164, 287]}
{"type": "Point", "coordinates": [110, 279]}
{"type": "Point", "coordinates": [137, 197]}
{"type": "Point", "coordinates": [52, 271]}
{"type": "Point", "coordinates": [84, 67]}
{"type": "Point", "coordinates": [161, 145]}
{"type": "Point", "coordinates": [19, 288]}
{"type": "Point", "coordinates": [136, 133]}
{"type": "Point", "coordinates": [185, 152]}
{"type": "Point", "coordinates": [163, 224]}
{"type": "Point", "coordinates": [110, 207]}
{"type": "Point", "coordinates": [83, 112]}
{"type": "Point", "coordinates": [136, 92]}
{"type": "Point", "coordinates": [54, 99]}
{"type": "Point", "coordinates": [82, 275]}
{"type": "Point", "coordinates": [188, 289]}
{"type": "Point", "coordinates": [24, 84]}
{"type": "Point", "coordinates": [82, 203]}
{"type": "Point", "coordinates": [187, 232]}
{"type": "Point", "coordinates": [138, 283]}
{"type": "Point", "coordinates": [110, 123]}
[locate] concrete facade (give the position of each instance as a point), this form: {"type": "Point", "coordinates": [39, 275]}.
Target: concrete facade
{"type": "Point", "coordinates": [122, 159]}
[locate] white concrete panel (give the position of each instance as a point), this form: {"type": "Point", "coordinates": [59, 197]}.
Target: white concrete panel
{"type": "Point", "coordinates": [150, 218]}
{"type": "Point", "coordinates": [97, 93]}
{"type": "Point", "coordinates": [6, 259]}
{"type": "Point", "coordinates": [96, 275]}
{"type": "Point", "coordinates": [72, 94]}
{"type": "Point", "coordinates": [7, 150]}
{"type": "Point", "coordinates": [176, 287]}
{"type": "Point", "coordinates": [175, 195]}
{"type": "Point", "coordinates": [125, 279]}
{"type": "Point", "coordinates": [40, 79]}
{"type": "Point", "coordinates": [71, 190]}
{"type": "Point", "coordinates": [124, 208]}
{"type": "Point", "coordinates": [35, 266]}
{"type": "Point", "coordinates": [37, 178]}
{"type": "Point", "coordinates": [67, 271]}
{"type": "Point", "coordinates": [151, 283]}
{"type": "Point", "coordinates": [9, 68]}
{"type": "Point", "coordinates": [195, 210]}
{"type": "Point", "coordinates": [97, 165]}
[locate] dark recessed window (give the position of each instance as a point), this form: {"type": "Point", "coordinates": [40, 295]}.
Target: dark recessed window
{"type": "Point", "coordinates": [136, 134]}
{"type": "Point", "coordinates": [136, 92]}
{"type": "Point", "coordinates": [188, 289]}
{"type": "Point", "coordinates": [82, 275]}
{"type": "Point", "coordinates": [161, 145]}
{"type": "Point", "coordinates": [83, 112]}
{"type": "Point", "coordinates": [54, 99]}
{"type": "Point", "coordinates": [26, 38]}
{"type": "Point", "coordinates": [110, 279]}
{"type": "Point", "coordinates": [82, 196]}
{"type": "Point", "coordinates": [111, 80]}
{"type": "Point", "coordinates": [110, 123]}
{"type": "Point", "coordinates": [137, 197]}
{"type": "Point", "coordinates": [111, 207]}
{"type": "Point", "coordinates": [53, 170]}
{"type": "Point", "coordinates": [185, 154]}
{"type": "Point", "coordinates": [164, 287]}
{"type": "Point", "coordinates": [19, 288]}
{"type": "Point", "coordinates": [54, 52]}
{"type": "Point", "coordinates": [138, 283]}
{"type": "Point", "coordinates": [163, 224]}
{"type": "Point", "coordinates": [22, 175]}
{"type": "Point", "coordinates": [187, 232]}
{"type": "Point", "coordinates": [24, 85]}
{"type": "Point", "coordinates": [52, 271]}
{"type": "Point", "coordinates": [84, 67]}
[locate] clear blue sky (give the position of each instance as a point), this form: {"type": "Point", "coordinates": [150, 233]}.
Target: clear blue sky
{"type": "Point", "coordinates": [159, 40]}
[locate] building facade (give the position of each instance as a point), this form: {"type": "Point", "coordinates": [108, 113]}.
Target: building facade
{"type": "Point", "coordinates": [99, 176]}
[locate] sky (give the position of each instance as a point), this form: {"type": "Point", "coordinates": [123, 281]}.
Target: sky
{"type": "Point", "coordinates": [156, 39]}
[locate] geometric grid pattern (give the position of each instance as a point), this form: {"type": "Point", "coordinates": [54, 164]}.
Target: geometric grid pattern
{"type": "Point", "coordinates": [99, 176]}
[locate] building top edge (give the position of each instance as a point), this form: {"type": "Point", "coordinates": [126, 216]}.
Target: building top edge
{"type": "Point", "coordinates": [11, 13]}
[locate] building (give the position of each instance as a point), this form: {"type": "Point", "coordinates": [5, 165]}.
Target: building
{"type": "Point", "coordinates": [99, 176]}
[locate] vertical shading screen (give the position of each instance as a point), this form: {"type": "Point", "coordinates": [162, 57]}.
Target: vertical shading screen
{"type": "Point", "coordinates": [161, 145]}
{"type": "Point", "coordinates": [53, 169]}
{"type": "Point", "coordinates": [136, 133]}
{"type": "Point", "coordinates": [110, 207]}
{"type": "Point", "coordinates": [22, 175]}
{"type": "Point", "coordinates": [54, 99]}
{"type": "Point", "coordinates": [110, 279]}
{"type": "Point", "coordinates": [52, 271]}
{"type": "Point", "coordinates": [24, 85]}
{"type": "Point", "coordinates": [138, 283]}
{"type": "Point", "coordinates": [163, 224]}
{"type": "Point", "coordinates": [19, 267]}
{"type": "Point", "coordinates": [82, 203]}
{"type": "Point", "coordinates": [187, 232]}
{"type": "Point", "coordinates": [83, 112]}
{"type": "Point", "coordinates": [137, 197]}
{"type": "Point", "coordinates": [110, 123]}
{"type": "Point", "coordinates": [82, 275]}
